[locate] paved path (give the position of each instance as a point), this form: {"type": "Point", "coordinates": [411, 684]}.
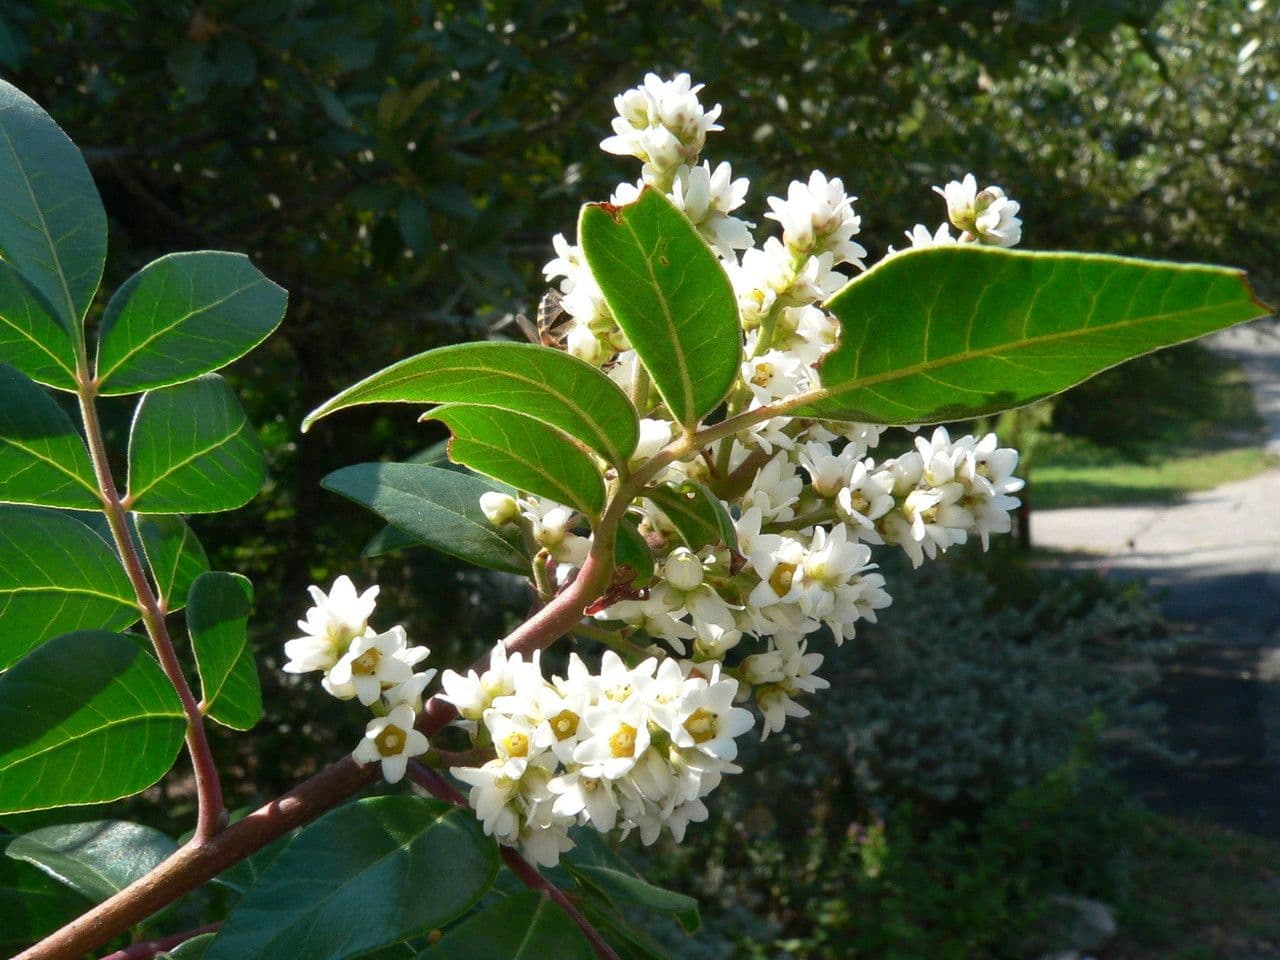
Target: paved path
{"type": "Point", "coordinates": [1216, 557]}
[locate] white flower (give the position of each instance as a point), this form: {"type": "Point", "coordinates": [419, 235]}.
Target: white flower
{"type": "Point", "coordinates": [473, 693]}
{"type": "Point", "coordinates": [707, 197]}
{"type": "Point", "coordinates": [708, 721]}
{"type": "Point", "coordinates": [591, 799]}
{"type": "Point", "coordinates": [866, 498]}
{"type": "Point", "coordinates": [817, 217]}
{"type": "Point", "coordinates": [393, 740]}
{"type": "Point", "coordinates": [617, 735]}
{"type": "Point", "coordinates": [490, 797]}
{"type": "Point", "coordinates": [796, 670]}
{"type": "Point", "coordinates": [513, 741]}
{"type": "Point", "coordinates": [410, 691]}
{"type": "Point", "coordinates": [330, 626]}
{"type": "Point", "coordinates": [372, 664]}
{"type": "Point", "coordinates": [987, 216]}
{"type": "Point", "coordinates": [654, 435]}
{"type": "Point", "coordinates": [683, 570]}
{"type": "Point", "coordinates": [661, 123]}
{"type": "Point", "coordinates": [775, 490]}
{"type": "Point", "coordinates": [920, 237]}
{"type": "Point", "coordinates": [550, 524]}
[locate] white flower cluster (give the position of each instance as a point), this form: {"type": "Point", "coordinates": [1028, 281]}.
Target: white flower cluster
{"type": "Point", "coordinates": [630, 747]}
{"type": "Point", "coordinates": [982, 216]}
{"type": "Point", "coordinates": [359, 663]}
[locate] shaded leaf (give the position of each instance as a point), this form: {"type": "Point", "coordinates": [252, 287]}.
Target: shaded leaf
{"type": "Point", "coordinates": [52, 225]}
{"type": "Point", "coordinates": [671, 297]}
{"type": "Point", "coordinates": [87, 717]}
{"type": "Point", "coordinates": [43, 459]}
{"type": "Point", "coordinates": [56, 576]}
{"type": "Point", "coordinates": [523, 453]}
{"type": "Point", "coordinates": [950, 333]}
{"type": "Point", "coordinates": [184, 315]}
{"type": "Point", "coordinates": [632, 550]}
{"type": "Point", "coordinates": [620, 886]}
{"type": "Point", "coordinates": [193, 949]}
{"type": "Point", "coordinates": [174, 554]}
{"type": "Point", "coordinates": [696, 513]}
{"type": "Point", "coordinates": [97, 860]}
{"type": "Point", "coordinates": [525, 926]}
{"type": "Point", "coordinates": [218, 620]}
{"type": "Point", "coordinates": [34, 905]}
{"type": "Point", "coordinates": [353, 881]}
{"type": "Point", "coordinates": [524, 378]}
{"type": "Point", "coordinates": [32, 339]}
{"type": "Point", "coordinates": [191, 450]}
{"type": "Point", "coordinates": [439, 507]}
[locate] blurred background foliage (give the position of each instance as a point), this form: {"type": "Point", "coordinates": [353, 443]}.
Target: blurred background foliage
{"type": "Point", "coordinates": [401, 167]}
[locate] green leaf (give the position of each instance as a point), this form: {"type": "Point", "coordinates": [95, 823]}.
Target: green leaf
{"type": "Point", "coordinates": [439, 507]}
{"type": "Point", "coordinates": [389, 540]}
{"type": "Point", "coordinates": [56, 576]}
{"type": "Point", "coordinates": [696, 513]}
{"type": "Point", "coordinates": [632, 550]}
{"type": "Point", "coordinates": [174, 554]}
{"type": "Point", "coordinates": [525, 926]}
{"type": "Point", "coordinates": [31, 337]}
{"type": "Point", "coordinates": [949, 333]}
{"type": "Point", "coordinates": [218, 619]}
{"type": "Point", "coordinates": [42, 458]}
{"type": "Point", "coordinates": [97, 860]}
{"type": "Point", "coordinates": [619, 886]}
{"type": "Point", "coordinates": [34, 906]}
{"type": "Point", "coordinates": [192, 450]}
{"type": "Point", "coordinates": [184, 315]}
{"type": "Point", "coordinates": [53, 229]}
{"type": "Point", "coordinates": [363, 876]}
{"type": "Point", "coordinates": [87, 717]}
{"type": "Point", "coordinates": [523, 378]}
{"type": "Point", "coordinates": [524, 453]}
{"type": "Point", "coordinates": [193, 949]}
{"type": "Point", "coordinates": [670, 296]}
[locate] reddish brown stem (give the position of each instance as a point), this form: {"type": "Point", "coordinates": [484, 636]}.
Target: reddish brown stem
{"type": "Point", "coordinates": [197, 862]}
{"type": "Point", "coordinates": [528, 874]}
{"type": "Point", "coordinates": [146, 949]}
{"type": "Point", "coordinates": [211, 815]}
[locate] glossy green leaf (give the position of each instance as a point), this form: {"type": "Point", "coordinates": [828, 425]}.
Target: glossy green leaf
{"type": "Point", "coordinates": [43, 459]}
{"type": "Point", "coordinates": [671, 297]}
{"type": "Point", "coordinates": [34, 905]}
{"type": "Point", "coordinates": [525, 926]}
{"type": "Point", "coordinates": [218, 621]}
{"type": "Point", "coordinates": [632, 551]}
{"type": "Point", "coordinates": [626, 940]}
{"type": "Point", "coordinates": [174, 554]}
{"type": "Point", "coordinates": [184, 315]}
{"type": "Point", "coordinates": [97, 860]}
{"type": "Point", "coordinates": [621, 886]}
{"type": "Point", "coordinates": [87, 717]}
{"type": "Point", "coordinates": [523, 453]}
{"type": "Point", "coordinates": [525, 378]}
{"type": "Point", "coordinates": [361, 877]}
{"type": "Point", "coordinates": [56, 576]}
{"type": "Point", "coordinates": [439, 507]}
{"type": "Point", "coordinates": [52, 225]}
{"type": "Point", "coordinates": [949, 333]}
{"type": "Point", "coordinates": [32, 339]}
{"type": "Point", "coordinates": [390, 539]}
{"type": "Point", "coordinates": [696, 513]}
{"type": "Point", "coordinates": [192, 450]}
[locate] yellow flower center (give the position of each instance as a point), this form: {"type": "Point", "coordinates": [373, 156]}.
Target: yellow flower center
{"type": "Point", "coordinates": [367, 663]}
{"type": "Point", "coordinates": [390, 742]}
{"type": "Point", "coordinates": [781, 579]}
{"type": "Point", "coordinates": [623, 741]}
{"type": "Point", "coordinates": [701, 725]}
{"type": "Point", "coordinates": [618, 693]}
{"type": "Point", "coordinates": [762, 375]}
{"type": "Point", "coordinates": [564, 724]}
{"type": "Point", "coordinates": [516, 744]}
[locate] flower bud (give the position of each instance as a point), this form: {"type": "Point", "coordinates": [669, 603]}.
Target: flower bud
{"type": "Point", "coordinates": [499, 508]}
{"type": "Point", "coordinates": [683, 570]}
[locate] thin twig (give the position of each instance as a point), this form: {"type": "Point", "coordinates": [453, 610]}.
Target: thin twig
{"type": "Point", "coordinates": [528, 874]}
{"type": "Point", "coordinates": [211, 815]}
